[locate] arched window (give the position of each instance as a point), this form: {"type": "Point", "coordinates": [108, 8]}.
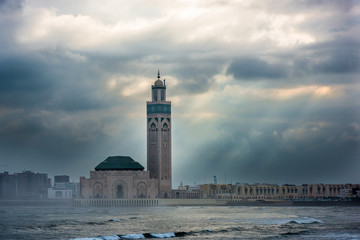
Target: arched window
{"type": "Point", "coordinates": [153, 127]}
{"type": "Point", "coordinates": [165, 127]}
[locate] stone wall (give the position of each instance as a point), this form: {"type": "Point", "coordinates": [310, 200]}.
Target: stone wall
{"type": "Point", "coordinates": [119, 184]}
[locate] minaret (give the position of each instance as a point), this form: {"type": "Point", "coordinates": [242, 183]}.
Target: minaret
{"type": "Point", "coordinates": [159, 137]}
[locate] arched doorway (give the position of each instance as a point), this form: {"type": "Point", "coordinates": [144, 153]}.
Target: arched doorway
{"type": "Point", "coordinates": [141, 190]}
{"type": "Point", "coordinates": [119, 192]}
{"type": "Point", "coordinates": [119, 189]}
{"type": "Point", "coordinates": [98, 190]}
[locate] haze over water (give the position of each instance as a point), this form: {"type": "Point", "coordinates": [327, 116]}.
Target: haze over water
{"type": "Point", "coordinates": [61, 222]}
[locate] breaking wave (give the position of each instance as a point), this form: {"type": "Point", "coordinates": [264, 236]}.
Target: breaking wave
{"type": "Point", "coordinates": [300, 220]}
{"type": "Point", "coordinates": [135, 236]}
{"type": "Point", "coordinates": [151, 235]}
{"type": "Point", "coordinates": [306, 220]}
{"type": "Point", "coordinates": [115, 220]}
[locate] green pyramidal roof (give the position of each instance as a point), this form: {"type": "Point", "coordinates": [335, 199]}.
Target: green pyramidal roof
{"type": "Point", "coordinates": [119, 163]}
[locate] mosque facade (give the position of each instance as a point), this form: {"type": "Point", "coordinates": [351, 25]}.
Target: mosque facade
{"type": "Point", "coordinates": [120, 177]}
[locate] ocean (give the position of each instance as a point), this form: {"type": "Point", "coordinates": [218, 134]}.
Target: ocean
{"type": "Point", "coordinates": [208, 222]}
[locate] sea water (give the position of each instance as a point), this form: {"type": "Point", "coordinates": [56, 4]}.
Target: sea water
{"type": "Point", "coordinates": [208, 222]}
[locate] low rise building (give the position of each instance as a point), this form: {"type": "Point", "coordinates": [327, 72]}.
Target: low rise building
{"type": "Point", "coordinates": [213, 190]}
{"type": "Point", "coordinates": [25, 185]}
{"type": "Point", "coordinates": [187, 192]}
{"type": "Point", "coordinates": [63, 188]}
{"type": "Point", "coordinates": [264, 191]}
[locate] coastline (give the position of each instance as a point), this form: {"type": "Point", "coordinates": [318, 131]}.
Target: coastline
{"type": "Point", "coordinates": [173, 202]}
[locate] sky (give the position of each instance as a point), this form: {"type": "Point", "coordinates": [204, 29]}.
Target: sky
{"type": "Point", "coordinates": [261, 91]}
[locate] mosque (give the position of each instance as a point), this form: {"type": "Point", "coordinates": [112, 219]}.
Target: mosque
{"type": "Point", "coordinates": [122, 177]}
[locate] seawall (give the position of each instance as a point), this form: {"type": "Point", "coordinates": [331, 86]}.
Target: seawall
{"type": "Point", "coordinates": [146, 202]}
{"type": "Point", "coordinates": [201, 202]}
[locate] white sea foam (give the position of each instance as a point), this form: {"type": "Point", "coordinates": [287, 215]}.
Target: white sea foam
{"type": "Point", "coordinates": [91, 238]}
{"type": "Point", "coordinates": [115, 220]}
{"type": "Point", "coordinates": [306, 220]}
{"type": "Point", "coordinates": [133, 236]}
{"type": "Point", "coordinates": [163, 235]}
{"type": "Point", "coordinates": [113, 237]}
{"type": "Point", "coordinates": [300, 220]}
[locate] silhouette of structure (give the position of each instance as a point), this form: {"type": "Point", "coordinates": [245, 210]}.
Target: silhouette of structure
{"type": "Point", "coordinates": [159, 137]}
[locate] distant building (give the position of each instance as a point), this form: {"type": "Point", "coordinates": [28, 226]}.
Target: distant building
{"type": "Point", "coordinates": [279, 192]}
{"type": "Point", "coordinates": [187, 192]}
{"type": "Point", "coordinates": [8, 186]}
{"type": "Point", "coordinates": [213, 190]}
{"type": "Point", "coordinates": [61, 179]}
{"type": "Point", "coordinates": [329, 190]}
{"type": "Point", "coordinates": [63, 188]}
{"type": "Point", "coordinates": [25, 185]}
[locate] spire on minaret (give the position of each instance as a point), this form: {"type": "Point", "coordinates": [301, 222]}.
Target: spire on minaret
{"type": "Point", "coordinates": [158, 74]}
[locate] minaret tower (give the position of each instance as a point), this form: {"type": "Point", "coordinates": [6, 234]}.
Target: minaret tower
{"type": "Point", "coordinates": [159, 137]}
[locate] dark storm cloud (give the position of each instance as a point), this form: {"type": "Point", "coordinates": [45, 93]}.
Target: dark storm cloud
{"type": "Point", "coordinates": [340, 56]}
{"type": "Point", "coordinates": [332, 62]}
{"type": "Point", "coordinates": [50, 80]}
{"type": "Point", "coordinates": [8, 6]}
{"type": "Point", "coordinates": [23, 82]}
{"type": "Point", "coordinates": [51, 109]}
{"type": "Point", "coordinates": [254, 68]}
{"type": "Point", "coordinates": [196, 77]}
{"type": "Point", "coordinates": [51, 142]}
{"type": "Point", "coordinates": [286, 152]}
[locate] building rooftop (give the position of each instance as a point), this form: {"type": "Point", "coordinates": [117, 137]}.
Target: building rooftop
{"type": "Point", "coordinates": [119, 163]}
{"type": "Point", "coordinates": [158, 83]}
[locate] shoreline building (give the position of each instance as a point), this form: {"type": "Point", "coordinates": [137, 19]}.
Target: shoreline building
{"type": "Point", "coordinates": [120, 177]}
{"type": "Point", "coordinates": [63, 188]}
{"type": "Point", "coordinates": [249, 192]}
{"type": "Point", "coordinates": [25, 186]}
